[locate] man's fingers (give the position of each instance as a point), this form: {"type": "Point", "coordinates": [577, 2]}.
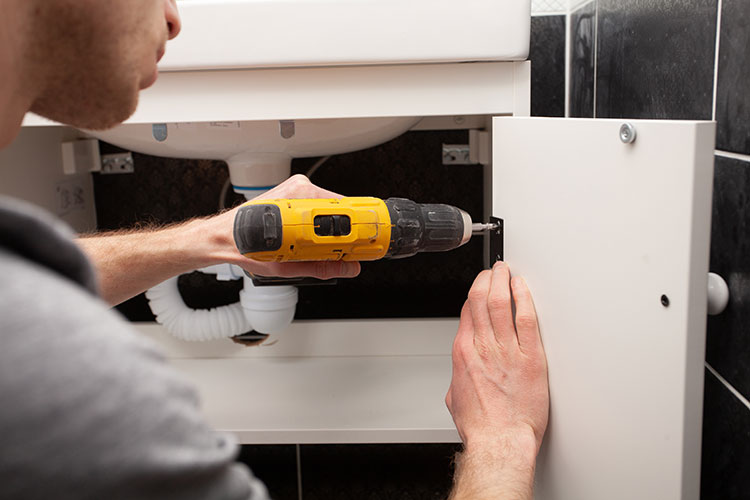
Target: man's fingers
{"type": "Point", "coordinates": [526, 319]}
{"type": "Point", "coordinates": [499, 305]}
{"type": "Point", "coordinates": [463, 350]}
{"type": "Point", "coordinates": [480, 315]}
{"type": "Point", "coordinates": [321, 269]}
{"type": "Point", "coordinates": [463, 344]}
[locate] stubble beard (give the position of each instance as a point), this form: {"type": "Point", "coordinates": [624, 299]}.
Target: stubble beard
{"type": "Point", "coordinates": [87, 78]}
{"type": "Point", "coordinates": [88, 103]}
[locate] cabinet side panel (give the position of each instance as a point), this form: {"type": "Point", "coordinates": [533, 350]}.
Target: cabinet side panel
{"type": "Point", "coordinates": [611, 238]}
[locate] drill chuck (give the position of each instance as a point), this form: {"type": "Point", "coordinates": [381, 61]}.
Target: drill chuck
{"type": "Point", "coordinates": [417, 227]}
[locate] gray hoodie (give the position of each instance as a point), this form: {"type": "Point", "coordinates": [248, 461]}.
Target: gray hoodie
{"type": "Point", "coordinates": [88, 407]}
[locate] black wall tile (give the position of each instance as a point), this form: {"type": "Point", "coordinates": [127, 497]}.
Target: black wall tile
{"type": "Point", "coordinates": [726, 444]}
{"type": "Point", "coordinates": [582, 33]}
{"type": "Point", "coordinates": [656, 59]}
{"type": "Point", "coordinates": [728, 343]}
{"type": "Point", "coordinates": [733, 92]}
{"type": "Point", "coordinates": [377, 472]}
{"type": "Point", "coordinates": [276, 466]}
{"type": "Point", "coordinates": [427, 285]}
{"type": "Point", "coordinates": [547, 55]}
{"type": "Point", "coordinates": [160, 191]}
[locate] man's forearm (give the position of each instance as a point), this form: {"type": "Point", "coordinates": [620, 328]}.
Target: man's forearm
{"type": "Point", "coordinates": [500, 472]}
{"type": "Point", "coordinates": [130, 262]}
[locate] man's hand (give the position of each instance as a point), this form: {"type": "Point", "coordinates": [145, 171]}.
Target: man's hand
{"type": "Point", "coordinates": [295, 187]}
{"type": "Point", "coordinates": [131, 262]}
{"type": "Point", "coordinates": [499, 396]}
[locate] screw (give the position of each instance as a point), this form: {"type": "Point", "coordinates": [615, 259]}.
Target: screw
{"type": "Point", "coordinates": [627, 133]}
{"type": "Point", "coordinates": [665, 301]}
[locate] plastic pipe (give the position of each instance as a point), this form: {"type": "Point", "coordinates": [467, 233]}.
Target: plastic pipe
{"type": "Point", "coordinates": [190, 324]}
{"type": "Point", "coordinates": [270, 309]}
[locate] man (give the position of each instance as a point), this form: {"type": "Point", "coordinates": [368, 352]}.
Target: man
{"type": "Point", "coordinates": [89, 408]}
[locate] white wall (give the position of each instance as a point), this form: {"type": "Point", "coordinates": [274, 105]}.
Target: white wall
{"type": "Point", "coordinates": [31, 169]}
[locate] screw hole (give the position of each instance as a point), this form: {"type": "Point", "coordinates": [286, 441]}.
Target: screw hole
{"type": "Point", "coordinates": [665, 301]}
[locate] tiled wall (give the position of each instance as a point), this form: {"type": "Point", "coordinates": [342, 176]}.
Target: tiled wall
{"type": "Point", "coordinates": [642, 59]}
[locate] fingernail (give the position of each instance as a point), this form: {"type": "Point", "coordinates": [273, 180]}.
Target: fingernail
{"type": "Point", "coordinates": [517, 281]}
{"type": "Point", "coordinates": [498, 265]}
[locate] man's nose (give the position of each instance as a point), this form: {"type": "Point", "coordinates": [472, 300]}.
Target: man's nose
{"type": "Point", "coordinates": [173, 18]}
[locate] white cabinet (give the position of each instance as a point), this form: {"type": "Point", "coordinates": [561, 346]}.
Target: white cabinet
{"type": "Point", "coordinates": [613, 240]}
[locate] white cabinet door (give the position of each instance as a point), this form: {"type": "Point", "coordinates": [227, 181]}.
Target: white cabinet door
{"type": "Point", "coordinates": [613, 239]}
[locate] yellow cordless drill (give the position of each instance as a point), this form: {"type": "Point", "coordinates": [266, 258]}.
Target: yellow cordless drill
{"type": "Point", "coordinates": [354, 228]}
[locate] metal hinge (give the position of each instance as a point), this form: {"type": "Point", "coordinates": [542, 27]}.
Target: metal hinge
{"type": "Point", "coordinates": [118, 163]}
{"type": "Point", "coordinates": [477, 152]}
{"type": "Point", "coordinates": [456, 154]}
{"type": "Point", "coordinates": [497, 250]}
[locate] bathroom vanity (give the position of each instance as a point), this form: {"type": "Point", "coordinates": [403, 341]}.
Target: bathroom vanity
{"type": "Point", "coordinates": [608, 220]}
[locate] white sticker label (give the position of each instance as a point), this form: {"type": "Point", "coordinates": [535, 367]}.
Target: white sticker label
{"type": "Point", "coordinates": [70, 196]}
{"type": "Point", "coordinates": [224, 124]}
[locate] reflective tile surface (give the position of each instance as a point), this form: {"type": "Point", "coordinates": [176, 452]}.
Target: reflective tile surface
{"type": "Point", "coordinates": [728, 340]}
{"type": "Point", "coordinates": [726, 444]}
{"type": "Point", "coordinates": [547, 55]}
{"type": "Point", "coordinates": [733, 93]}
{"type": "Point", "coordinates": [582, 33]}
{"type": "Point", "coordinates": [656, 59]}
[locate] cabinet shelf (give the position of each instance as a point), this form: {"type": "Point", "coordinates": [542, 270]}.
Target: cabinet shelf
{"type": "Point", "coordinates": [326, 382]}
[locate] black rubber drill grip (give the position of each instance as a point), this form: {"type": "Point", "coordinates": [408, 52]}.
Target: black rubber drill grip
{"type": "Point", "coordinates": [258, 228]}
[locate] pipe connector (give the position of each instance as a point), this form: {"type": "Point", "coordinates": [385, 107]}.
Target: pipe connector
{"type": "Point", "coordinates": [269, 309]}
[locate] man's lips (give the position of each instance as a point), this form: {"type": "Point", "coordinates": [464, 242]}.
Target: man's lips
{"type": "Point", "coordinates": [160, 54]}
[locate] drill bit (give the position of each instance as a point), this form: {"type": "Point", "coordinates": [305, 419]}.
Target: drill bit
{"type": "Point", "coordinates": [480, 227]}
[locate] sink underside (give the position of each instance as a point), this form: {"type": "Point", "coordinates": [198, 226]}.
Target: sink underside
{"type": "Point", "coordinates": [273, 33]}
{"type": "Point", "coordinates": [241, 141]}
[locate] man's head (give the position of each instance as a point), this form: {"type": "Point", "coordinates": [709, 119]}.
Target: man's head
{"type": "Point", "coordinates": [90, 58]}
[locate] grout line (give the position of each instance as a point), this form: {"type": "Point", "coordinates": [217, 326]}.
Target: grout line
{"type": "Point", "coordinates": [568, 61]}
{"type": "Point", "coordinates": [596, 52]}
{"type": "Point", "coordinates": [548, 14]}
{"type": "Point", "coordinates": [299, 474]}
{"type": "Point", "coordinates": [574, 6]}
{"type": "Point", "coordinates": [733, 156]}
{"type": "Point", "coordinates": [716, 59]}
{"type": "Point", "coordinates": [728, 386]}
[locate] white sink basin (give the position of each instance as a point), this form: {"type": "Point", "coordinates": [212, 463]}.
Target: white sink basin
{"type": "Point", "coordinates": [276, 33]}
{"type": "Point", "coordinates": [259, 153]}
{"type": "Point", "coordinates": [234, 141]}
